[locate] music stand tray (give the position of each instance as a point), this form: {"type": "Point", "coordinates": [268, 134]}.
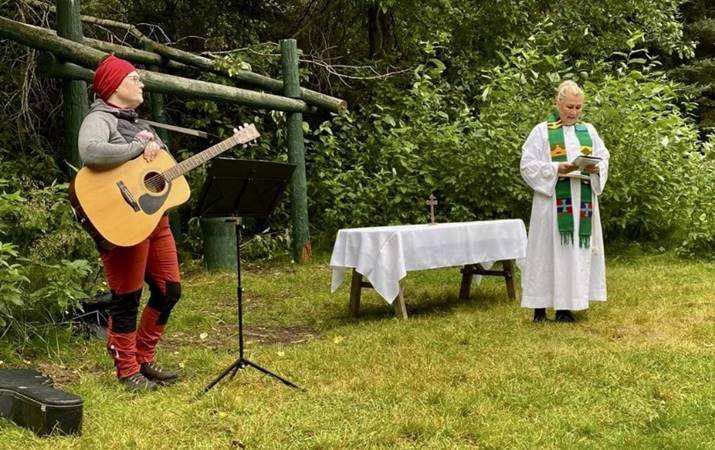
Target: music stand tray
{"type": "Point", "coordinates": [242, 188]}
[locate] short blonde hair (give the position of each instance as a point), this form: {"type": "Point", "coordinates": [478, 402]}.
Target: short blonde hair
{"type": "Point", "coordinates": [568, 87]}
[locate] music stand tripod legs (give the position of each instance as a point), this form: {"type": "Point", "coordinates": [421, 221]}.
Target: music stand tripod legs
{"type": "Point", "coordinates": [242, 362]}
{"type": "Point", "coordinates": [243, 188]}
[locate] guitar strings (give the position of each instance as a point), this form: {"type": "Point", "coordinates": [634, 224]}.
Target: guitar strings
{"type": "Point", "coordinates": [157, 182]}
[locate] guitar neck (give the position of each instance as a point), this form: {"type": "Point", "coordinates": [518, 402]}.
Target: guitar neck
{"type": "Point", "coordinates": [198, 159]}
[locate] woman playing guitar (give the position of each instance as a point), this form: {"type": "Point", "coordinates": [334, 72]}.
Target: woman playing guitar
{"type": "Point", "coordinates": [110, 135]}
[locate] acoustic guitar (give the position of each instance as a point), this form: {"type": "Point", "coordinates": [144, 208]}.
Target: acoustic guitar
{"type": "Point", "coordinates": [121, 206]}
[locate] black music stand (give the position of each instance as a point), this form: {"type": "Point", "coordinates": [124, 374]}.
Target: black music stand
{"type": "Point", "coordinates": [242, 188]}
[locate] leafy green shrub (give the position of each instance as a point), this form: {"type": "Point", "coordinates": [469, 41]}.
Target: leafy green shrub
{"type": "Point", "coordinates": [656, 161]}
{"type": "Point", "coordinates": [265, 246]}
{"type": "Point", "coordinates": [51, 263]}
{"type": "Point", "coordinates": [12, 280]}
{"type": "Point", "coordinates": [655, 155]}
{"type": "Point", "coordinates": [377, 165]}
{"type": "Point", "coordinates": [699, 233]}
{"type": "Point", "coordinates": [55, 288]}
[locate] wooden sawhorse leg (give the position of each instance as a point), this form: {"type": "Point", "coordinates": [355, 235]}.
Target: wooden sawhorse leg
{"type": "Point", "coordinates": [470, 270]}
{"type": "Point", "coordinates": [356, 285]}
{"type": "Point", "coordinates": [466, 285]}
{"type": "Point", "coordinates": [399, 303]}
{"type": "Point", "coordinates": [509, 278]}
{"type": "Point", "coordinates": [355, 290]}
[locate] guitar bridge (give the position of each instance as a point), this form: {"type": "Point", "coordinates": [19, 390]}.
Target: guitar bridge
{"type": "Point", "coordinates": [128, 197]}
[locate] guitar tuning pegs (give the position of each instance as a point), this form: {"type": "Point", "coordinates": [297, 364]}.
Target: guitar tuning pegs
{"type": "Point", "coordinates": [235, 131]}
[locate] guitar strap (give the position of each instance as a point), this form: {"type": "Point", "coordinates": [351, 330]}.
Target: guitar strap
{"type": "Point", "coordinates": [189, 131]}
{"type": "Point", "coordinates": [128, 125]}
{"type": "Point", "coordinates": [144, 124]}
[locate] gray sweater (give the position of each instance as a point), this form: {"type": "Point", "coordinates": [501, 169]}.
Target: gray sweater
{"type": "Point", "coordinates": [107, 136]}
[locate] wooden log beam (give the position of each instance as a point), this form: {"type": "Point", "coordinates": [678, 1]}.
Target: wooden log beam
{"type": "Point", "coordinates": [131, 29]}
{"type": "Point", "coordinates": [183, 87]}
{"type": "Point", "coordinates": [122, 51]}
{"type": "Point", "coordinates": [134, 55]}
{"type": "Point", "coordinates": [186, 87]}
{"type": "Point", "coordinates": [68, 50]}
{"type": "Point", "coordinates": [88, 51]}
{"type": "Point", "coordinates": [46, 40]}
{"type": "Point", "coordinates": [260, 81]}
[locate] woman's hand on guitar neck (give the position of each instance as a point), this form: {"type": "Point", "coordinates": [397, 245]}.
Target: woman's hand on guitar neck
{"type": "Point", "coordinates": [151, 149]}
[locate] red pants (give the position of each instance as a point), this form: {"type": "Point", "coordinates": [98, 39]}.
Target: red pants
{"type": "Point", "coordinates": [127, 268]}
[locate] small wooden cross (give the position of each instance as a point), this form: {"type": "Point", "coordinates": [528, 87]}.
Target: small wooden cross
{"type": "Point", "coordinates": [432, 202]}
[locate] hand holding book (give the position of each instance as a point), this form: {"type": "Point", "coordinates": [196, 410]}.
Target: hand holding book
{"type": "Point", "coordinates": [583, 162]}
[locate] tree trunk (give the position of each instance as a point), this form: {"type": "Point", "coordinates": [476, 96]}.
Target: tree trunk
{"type": "Point", "coordinates": [372, 12]}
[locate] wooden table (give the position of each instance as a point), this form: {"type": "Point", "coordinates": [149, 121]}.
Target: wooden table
{"type": "Point", "coordinates": [384, 255]}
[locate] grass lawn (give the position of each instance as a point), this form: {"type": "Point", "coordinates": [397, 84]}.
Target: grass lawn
{"type": "Point", "coordinates": [634, 372]}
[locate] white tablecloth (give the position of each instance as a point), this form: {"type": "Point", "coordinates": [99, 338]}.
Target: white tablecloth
{"type": "Point", "coordinates": [384, 255]}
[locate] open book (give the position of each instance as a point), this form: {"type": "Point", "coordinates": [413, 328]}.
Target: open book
{"type": "Point", "coordinates": [586, 160]}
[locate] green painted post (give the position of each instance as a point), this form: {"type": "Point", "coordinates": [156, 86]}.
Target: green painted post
{"type": "Point", "coordinates": [158, 114]}
{"type": "Point", "coordinates": [301, 246]}
{"type": "Point", "coordinates": [74, 93]}
{"type": "Point", "coordinates": [219, 234]}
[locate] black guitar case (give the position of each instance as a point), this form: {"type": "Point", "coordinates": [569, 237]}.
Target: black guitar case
{"type": "Point", "coordinates": [28, 399]}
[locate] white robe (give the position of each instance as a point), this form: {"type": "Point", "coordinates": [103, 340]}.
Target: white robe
{"type": "Point", "coordinates": [554, 275]}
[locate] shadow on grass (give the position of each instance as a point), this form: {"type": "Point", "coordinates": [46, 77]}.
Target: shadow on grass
{"type": "Point", "coordinates": [421, 303]}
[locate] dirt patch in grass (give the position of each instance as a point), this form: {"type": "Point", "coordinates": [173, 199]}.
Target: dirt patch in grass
{"type": "Point", "coordinates": [62, 375]}
{"type": "Point", "coordinates": [269, 334]}
{"type": "Point", "coordinates": [224, 335]}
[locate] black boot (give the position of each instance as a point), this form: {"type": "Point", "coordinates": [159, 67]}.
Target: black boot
{"type": "Point", "coordinates": [156, 373]}
{"type": "Point", "coordinates": [138, 383]}
{"type": "Point", "coordinates": [539, 315]}
{"type": "Point", "coordinates": [564, 315]}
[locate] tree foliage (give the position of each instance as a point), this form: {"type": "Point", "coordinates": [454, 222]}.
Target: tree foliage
{"type": "Point", "coordinates": [387, 157]}
{"type": "Point", "coordinates": [699, 73]}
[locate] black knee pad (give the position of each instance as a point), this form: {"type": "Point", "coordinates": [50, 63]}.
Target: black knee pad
{"type": "Point", "coordinates": [124, 311]}
{"type": "Point", "coordinates": [156, 297]}
{"type": "Point", "coordinates": [173, 294]}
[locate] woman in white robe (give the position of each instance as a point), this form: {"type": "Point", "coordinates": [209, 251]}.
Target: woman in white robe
{"type": "Point", "coordinates": [562, 276]}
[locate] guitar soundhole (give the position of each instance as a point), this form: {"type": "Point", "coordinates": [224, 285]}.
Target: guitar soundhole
{"type": "Point", "coordinates": [154, 182]}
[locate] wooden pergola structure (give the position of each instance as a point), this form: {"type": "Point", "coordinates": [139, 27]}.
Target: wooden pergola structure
{"type": "Point", "coordinates": [70, 56]}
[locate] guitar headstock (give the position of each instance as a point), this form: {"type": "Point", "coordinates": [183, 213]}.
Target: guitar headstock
{"type": "Point", "coordinates": [245, 134]}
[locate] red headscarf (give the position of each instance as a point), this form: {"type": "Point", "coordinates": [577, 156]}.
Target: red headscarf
{"type": "Point", "coordinates": [109, 75]}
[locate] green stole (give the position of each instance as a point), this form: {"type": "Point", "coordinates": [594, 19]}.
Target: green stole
{"type": "Point", "coordinates": [564, 207]}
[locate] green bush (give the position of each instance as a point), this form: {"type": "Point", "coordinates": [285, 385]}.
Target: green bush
{"type": "Point", "coordinates": [656, 161]}
{"type": "Point", "coordinates": [377, 165]}
{"type": "Point", "coordinates": [12, 281]}
{"type": "Point", "coordinates": [699, 232]}
{"type": "Point", "coordinates": [47, 263]}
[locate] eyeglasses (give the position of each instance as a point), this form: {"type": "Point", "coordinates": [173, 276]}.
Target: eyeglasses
{"type": "Point", "coordinates": [136, 79]}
